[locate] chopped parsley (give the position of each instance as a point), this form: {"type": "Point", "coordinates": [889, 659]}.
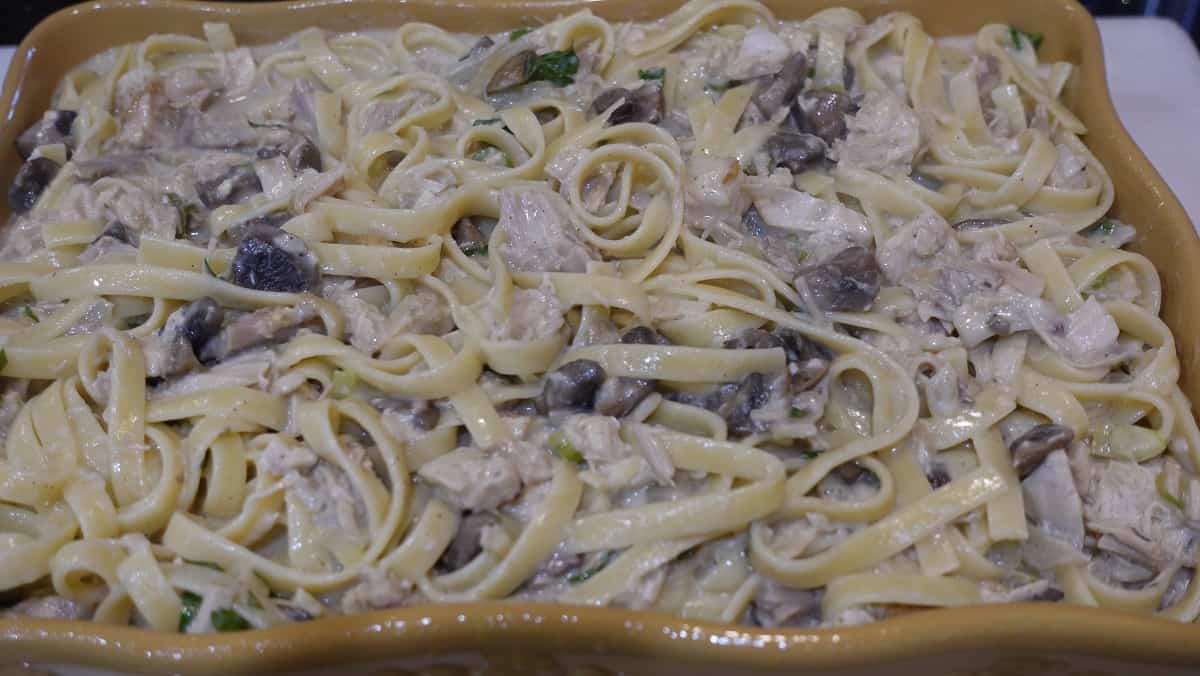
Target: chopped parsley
{"type": "Point", "coordinates": [652, 73]}
{"type": "Point", "coordinates": [208, 269]}
{"type": "Point", "coordinates": [485, 121]}
{"type": "Point", "coordinates": [558, 67]}
{"type": "Point", "coordinates": [564, 449]}
{"type": "Point", "coordinates": [185, 212]}
{"type": "Point", "coordinates": [1100, 280]}
{"type": "Point", "coordinates": [28, 311]}
{"type": "Point", "coordinates": [519, 33]}
{"type": "Point", "coordinates": [191, 603]}
{"type": "Point", "coordinates": [475, 248]}
{"type": "Point", "coordinates": [1105, 227]}
{"type": "Point", "coordinates": [798, 413]}
{"type": "Point", "coordinates": [1018, 35]}
{"type": "Point", "coordinates": [3, 359]}
{"type": "Point", "coordinates": [228, 619]}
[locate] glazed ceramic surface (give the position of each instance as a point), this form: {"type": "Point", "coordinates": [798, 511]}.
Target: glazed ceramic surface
{"type": "Point", "coordinates": [522, 638]}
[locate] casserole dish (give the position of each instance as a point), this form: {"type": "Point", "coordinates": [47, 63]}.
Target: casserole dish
{"type": "Point", "coordinates": [513, 638]}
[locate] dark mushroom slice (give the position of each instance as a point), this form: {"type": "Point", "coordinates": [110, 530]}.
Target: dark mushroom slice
{"type": "Point", "coordinates": [270, 259]}
{"type": "Point", "coordinates": [848, 281]}
{"type": "Point", "coordinates": [618, 396]}
{"type": "Point", "coordinates": [571, 386]}
{"type": "Point", "coordinates": [272, 221]}
{"type": "Point", "coordinates": [644, 104]}
{"type": "Point", "coordinates": [823, 113]}
{"type": "Point", "coordinates": [980, 223]}
{"type": "Point", "coordinates": [778, 90]}
{"type": "Point", "coordinates": [261, 327]}
{"type": "Point", "coordinates": [512, 73]}
{"type": "Point", "coordinates": [938, 476]}
{"type": "Point", "coordinates": [305, 155]}
{"type": "Point", "coordinates": [197, 322]}
{"type": "Point", "coordinates": [1049, 594]}
{"type": "Point", "coordinates": [231, 187]}
{"type": "Point", "coordinates": [118, 231]}
{"type": "Point", "coordinates": [775, 605]}
{"type": "Point", "coordinates": [643, 335]}
{"type": "Point", "coordinates": [796, 151]}
{"type": "Point", "coordinates": [926, 181]}
{"type": "Point", "coordinates": [753, 339]}
{"type": "Point", "coordinates": [753, 222]}
{"type": "Point", "coordinates": [467, 542]}
{"type": "Point", "coordinates": [1032, 447]}
{"type": "Point", "coordinates": [850, 472]}
{"type": "Point", "coordinates": [469, 237]}
{"type": "Point", "coordinates": [54, 127]}
{"type": "Point", "coordinates": [518, 407]}
{"type": "Point", "coordinates": [735, 402]}
{"type": "Point", "coordinates": [31, 180]}
{"type": "Point", "coordinates": [481, 46]}
{"type": "Point", "coordinates": [808, 360]}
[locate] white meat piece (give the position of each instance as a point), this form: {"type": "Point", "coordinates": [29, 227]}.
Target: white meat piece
{"type": "Point", "coordinates": [1120, 499]}
{"type": "Point", "coordinates": [378, 589]}
{"type": "Point", "coordinates": [249, 369]}
{"type": "Point", "coordinates": [884, 136]}
{"type": "Point", "coordinates": [1070, 170]}
{"type": "Point", "coordinates": [1086, 337]}
{"type": "Point", "coordinates": [924, 241]}
{"type": "Point", "coordinates": [10, 404]}
{"type": "Point", "coordinates": [327, 493]}
{"type": "Point", "coordinates": [597, 438]}
{"type": "Point", "coordinates": [533, 314]}
{"type": "Point", "coordinates": [541, 236]}
{"type": "Point", "coordinates": [268, 325]}
{"type": "Point", "coordinates": [713, 191]}
{"type": "Point", "coordinates": [167, 355]}
{"type": "Point", "coordinates": [50, 608]}
{"type": "Point", "coordinates": [108, 200]}
{"type": "Point", "coordinates": [823, 227]}
{"type": "Point", "coordinates": [762, 52]}
{"type": "Point", "coordinates": [471, 479]}
{"type": "Point", "coordinates": [1052, 500]}
{"type": "Point", "coordinates": [186, 87]}
{"type": "Point", "coordinates": [140, 108]}
{"type": "Point", "coordinates": [108, 250]}
{"type": "Point", "coordinates": [311, 185]}
{"type": "Point", "coordinates": [422, 312]}
{"type": "Point", "coordinates": [237, 71]}
{"type": "Point", "coordinates": [420, 185]}
{"type": "Point", "coordinates": [282, 456]}
{"type": "Point", "coordinates": [276, 177]}
{"type": "Point", "coordinates": [533, 461]}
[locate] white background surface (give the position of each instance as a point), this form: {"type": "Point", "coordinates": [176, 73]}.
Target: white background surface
{"type": "Point", "coordinates": [1154, 74]}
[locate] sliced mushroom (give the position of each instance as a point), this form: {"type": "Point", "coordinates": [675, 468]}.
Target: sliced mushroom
{"type": "Point", "coordinates": [468, 542]}
{"type": "Point", "coordinates": [980, 223]}
{"type": "Point", "coordinates": [775, 605]}
{"type": "Point", "coordinates": [735, 402]}
{"type": "Point", "coordinates": [54, 127]}
{"type": "Point", "coordinates": [823, 113]}
{"type": "Point", "coordinates": [173, 349]}
{"type": "Point", "coordinates": [469, 237]}
{"type": "Point", "coordinates": [938, 477]}
{"type": "Point", "coordinates": [848, 281]}
{"type": "Point", "coordinates": [518, 407]}
{"type": "Point", "coordinates": [481, 47]}
{"type": "Point", "coordinates": [808, 360]}
{"type": "Point", "coordinates": [1031, 448]}
{"type": "Point", "coordinates": [269, 259]}
{"type": "Point", "coordinates": [753, 222]}
{"type": "Point", "coordinates": [753, 339]}
{"type": "Point", "coordinates": [261, 327]}
{"type": "Point", "coordinates": [778, 90]}
{"type": "Point", "coordinates": [571, 386]}
{"type": "Point", "coordinates": [644, 104]}
{"type": "Point", "coordinates": [118, 231]}
{"type": "Point", "coordinates": [198, 321]}
{"type": "Point", "coordinates": [32, 179]}
{"type": "Point", "coordinates": [231, 187]}
{"type": "Point", "coordinates": [618, 396]}
{"type": "Point", "coordinates": [849, 471]}
{"type": "Point", "coordinates": [512, 73]}
{"type": "Point", "coordinates": [643, 335]}
{"type": "Point", "coordinates": [795, 151]}
{"type": "Point", "coordinates": [926, 181]}
{"type": "Point", "coordinates": [305, 155]}
{"type": "Point", "coordinates": [1049, 594]}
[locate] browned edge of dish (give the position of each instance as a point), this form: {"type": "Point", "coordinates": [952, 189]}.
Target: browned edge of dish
{"type": "Point", "coordinates": [1026, 638]}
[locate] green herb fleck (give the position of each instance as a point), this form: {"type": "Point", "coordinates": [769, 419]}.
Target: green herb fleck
{"type": "Point", "coordinates": [266, 125]}
{"type": "Point", "coordinates": [228, 619]}
{"type": "Point", "coordinates": [191, 603]}
{"type": "Point", "coordinates": [1161, 483]}
{"type": "Point", "coordinates": [810, 454]}
{"type": "Point", "coordinates": [1100, 280]}
{"type": "Point", "coordinates": [475, 248]}
{"type": "Point", "coordinates": [206, 564]}
{"type": "Point", "coordinates": [798, 412]}
{"type": "Point", "coordinates": [208, 269]}
{"type": "Point", "coordinates": [519, 33]}
{"type": "Point", "coordinates": [564, 449]}
{"type": "Point", "coordinates": [586, 575]}
{"type": "Point", "coordinates": [652, 73]}
{"type": "Point", "coordinates": [1017, 34]}
{"type": "Point", "coordinates": [485, 121]}
{"type": "Point", "coordinates": [253, 602]}
{"type": "Point", "coordinates": [1105, 227]}
{"type": "Point", "coordinates": [28, 311]}
{"type": "Point", "coordinates": [3, 359]}
{"type": "Point", "coordinates": [185, 213]}
{"type": "Point", "coordinates": [557, 67]}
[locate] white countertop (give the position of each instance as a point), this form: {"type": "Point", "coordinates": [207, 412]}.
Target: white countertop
{"type": "Point", "coordinates": [1154, 74]}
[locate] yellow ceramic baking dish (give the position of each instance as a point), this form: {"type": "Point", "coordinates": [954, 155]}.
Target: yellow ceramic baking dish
{"type": "Point", "coordinates": [520, 638]}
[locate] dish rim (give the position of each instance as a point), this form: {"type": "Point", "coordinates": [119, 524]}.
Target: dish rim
{"type": "Point", "coordinates": [451, 628]}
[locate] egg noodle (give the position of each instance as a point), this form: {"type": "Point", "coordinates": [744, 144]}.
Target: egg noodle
{"type": "Point", "coordinates": [993, 412]}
